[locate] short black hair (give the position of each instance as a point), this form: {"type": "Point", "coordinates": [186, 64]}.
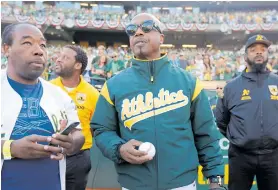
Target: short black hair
{"type": "Point", "coordinates": [81, 56]}
{"type": "Point", "coordinates": [7, 35]}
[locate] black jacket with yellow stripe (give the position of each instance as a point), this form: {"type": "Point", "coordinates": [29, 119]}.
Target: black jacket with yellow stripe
{"type": "Point", "coordinates": [154, 101]}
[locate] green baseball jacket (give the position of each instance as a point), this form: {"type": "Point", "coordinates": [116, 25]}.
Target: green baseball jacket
{"type": "Point", "coordinates": [154, 101]}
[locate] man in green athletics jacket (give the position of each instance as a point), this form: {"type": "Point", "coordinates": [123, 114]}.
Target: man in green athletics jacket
{"type": "Point", "coordinates": [154, 101]}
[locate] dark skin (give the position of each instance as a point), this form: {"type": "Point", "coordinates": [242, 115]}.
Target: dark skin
{"type": "Point", "coordinates": [27, 58]}
{"type": "Point", "coordinates": [256, 57]}
{"type": "Point", "coordinates": [29, 147]}
{"type": "Point", "coordinates": [145, 45]}
{"type": "Point", "coordinates": [67, 68]}
{"type": "Point", "coordinates": [130, 154]}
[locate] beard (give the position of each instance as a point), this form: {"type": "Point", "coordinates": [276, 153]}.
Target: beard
{"type": "Point", "coordinates": [140, 52]}
{"type": "Point", "coordinates": [257, 67]}
{"type": "Point", "coordinates": [65, 73]}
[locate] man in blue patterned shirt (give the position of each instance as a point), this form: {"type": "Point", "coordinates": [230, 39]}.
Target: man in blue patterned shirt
{"type": "Point", "coordinates": [33, 110]}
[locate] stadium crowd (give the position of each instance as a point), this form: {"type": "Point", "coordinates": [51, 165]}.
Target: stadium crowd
{"type": "Point", "coordinates": [76, 11]}
{"type": "Point", "coordinates": [206, 64]}
{"type": "Point", "coordinates": [99, 63]}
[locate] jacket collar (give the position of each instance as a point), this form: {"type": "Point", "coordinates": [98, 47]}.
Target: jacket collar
{"type": "Point", "coordinates": [254, 76]}
{"type": "Point", "coordinates": [150, 68]}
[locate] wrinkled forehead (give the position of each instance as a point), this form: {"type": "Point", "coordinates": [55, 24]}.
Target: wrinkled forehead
{"type": "Point", "coordinates": [141, 18]}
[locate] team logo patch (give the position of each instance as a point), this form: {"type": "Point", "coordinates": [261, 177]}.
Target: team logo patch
{"type": "Point", "coordinates": [245, 95]}
{"type": "Point", "coordinates": [80, 98]}
{"type": "Point", "coordinates": [273, 90]}
{"type": "Point", "coordinates": [259, 38]}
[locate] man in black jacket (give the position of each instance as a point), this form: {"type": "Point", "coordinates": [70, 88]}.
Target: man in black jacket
{"type": "Point", "coordinates": [248, 116]}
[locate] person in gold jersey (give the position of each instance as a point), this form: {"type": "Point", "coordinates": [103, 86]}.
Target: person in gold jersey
{"type": "Point", "coordinates": [69, 66]}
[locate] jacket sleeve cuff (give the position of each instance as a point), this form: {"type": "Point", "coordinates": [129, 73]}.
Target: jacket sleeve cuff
{"type": "Point", "coordinates": [120, 160]}
{"type": "Point", "coordinates": [218, 171]}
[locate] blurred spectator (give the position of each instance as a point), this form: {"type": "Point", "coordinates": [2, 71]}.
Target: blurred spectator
{"type": "Point", "coordinates": [200, 65]}
{"type": "Point", "coordinates": [115, 66]}
{"type": "Point", "coordinates": [208, 69]}
{"type": "Point", "coordinates": [240, 65]}
{"type": "Point", "coordinates": [51, 65]}
{"type": "Point", "coordinates": [272, 64]}
{"type": "Point", "coordinates": [223, 70]}
{"type": "Point", "coordinates": [121, 53]}
{"type": "Point", "coordinates": [99, 71]}
{"type": "Point", "coordinates": [269, 67]}
{"type": "Point", "coordinates": [275, 65]}
{"type": "Point", "coordinates": [101, 52]}
{"type": "Point", "coordinates": [194, 69]}
{"type": "Point", "coordinates": [219, 94]}
{"type": "Point", "coordinates": [183, 63]}
{"type": "Point", "coordinates": [87, 74]}
{"type": "Point", "coordinates": [173, 59]}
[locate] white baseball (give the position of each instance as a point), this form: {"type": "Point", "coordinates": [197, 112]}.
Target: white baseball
{"type": "Point", "coordinates": [148, 147]}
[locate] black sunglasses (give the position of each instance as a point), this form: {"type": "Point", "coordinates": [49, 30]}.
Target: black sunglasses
{"type": "Point", "coordinates": [219, 88]}
{"type": "Point", "coordinates": [146, 26]}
